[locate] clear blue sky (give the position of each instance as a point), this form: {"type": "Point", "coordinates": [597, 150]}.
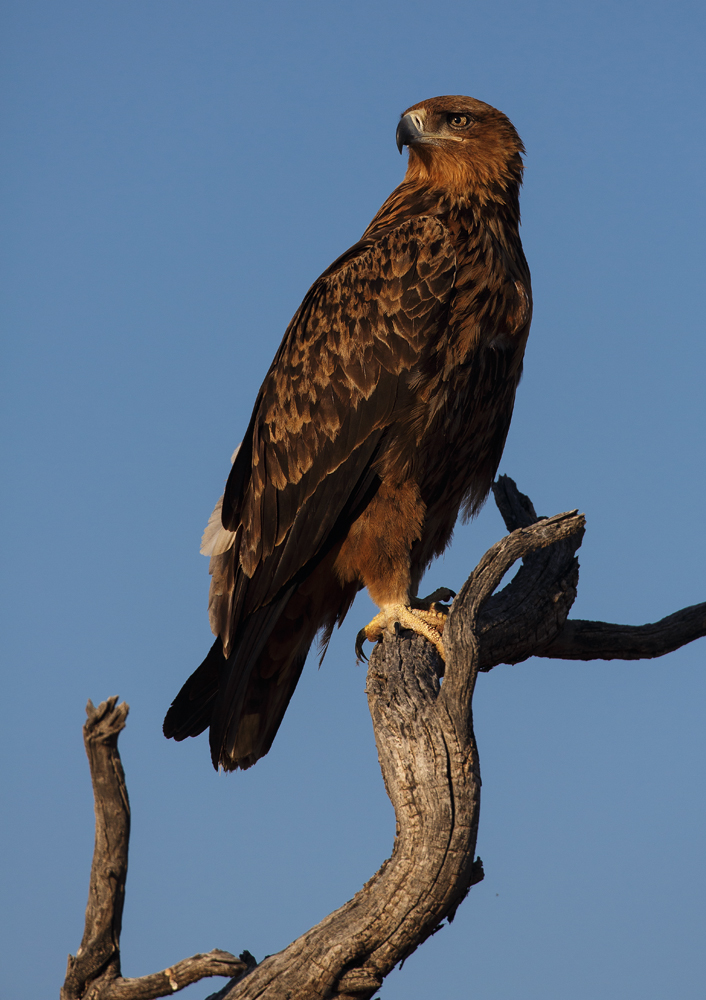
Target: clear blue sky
{"type": "Point", "coordinates": [176, 174]}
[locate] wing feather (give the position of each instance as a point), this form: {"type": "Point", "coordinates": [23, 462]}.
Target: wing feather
{"type": "Point", "coordinates": [332, 390]}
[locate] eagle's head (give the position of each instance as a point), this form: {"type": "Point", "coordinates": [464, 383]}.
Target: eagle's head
{"type": "Point", "coordinates": [462, 146]}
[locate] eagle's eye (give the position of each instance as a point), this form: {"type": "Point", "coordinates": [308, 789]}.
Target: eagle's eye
{"type": "Point", "coordinates": [458, 121]}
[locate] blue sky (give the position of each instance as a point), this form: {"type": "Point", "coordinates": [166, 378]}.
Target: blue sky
{"type": "Point", "coordinates": [176, 175]}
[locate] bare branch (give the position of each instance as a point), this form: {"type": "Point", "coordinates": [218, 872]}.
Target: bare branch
{"type": "Point", "coordinates": [501, 556]}
{"type": "Point", "coordinates": [94, 972]}
{"type": "Point", "coordinates": [184, 973]}
{"type": "Point", "coordinates": [529, 616]}
{"type": "Point", "coordinates": [509, 626]}
{"type": "Point", "coordinates": [582, 640]}
{"type": "Point", "coordinates": [428, 756]}
{"type": "Point", "coordinates": [430, 768]}
{"type": "Point", "coordinates": [516, 509]}
{"type": "Point", "coordinates": [99, 953]}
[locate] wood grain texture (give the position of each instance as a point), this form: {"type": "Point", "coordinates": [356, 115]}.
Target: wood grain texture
{"type": "Point", "coordinates": [529, 616]}
{"type": "Point", "coordinates": [423, 722]}
{"type": "Point", "coordinates": [94, 972]}
{"type": "Point", "coordinates": [99, 953]}
{"type": "Point", "coordinates": [584, 640]}
{"type": "Point", "coordinates": [430, 767]}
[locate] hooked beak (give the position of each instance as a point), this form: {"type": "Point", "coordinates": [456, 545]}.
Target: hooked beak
{"type": "Point", "coordinates": [409, 129]}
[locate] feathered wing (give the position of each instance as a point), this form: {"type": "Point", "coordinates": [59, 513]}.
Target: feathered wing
{"type": "Point", "coordinates": [304, 472]}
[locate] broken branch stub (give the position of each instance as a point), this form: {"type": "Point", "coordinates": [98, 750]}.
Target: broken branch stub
{"type": "Point", "coordinates": [94, 972]}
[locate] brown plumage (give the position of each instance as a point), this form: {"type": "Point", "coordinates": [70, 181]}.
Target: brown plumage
{"type": "Point", "coordinates": [384, 413]}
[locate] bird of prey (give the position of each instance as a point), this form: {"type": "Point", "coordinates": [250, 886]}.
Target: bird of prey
{"type": "Point", "coordinates": [383, 414]}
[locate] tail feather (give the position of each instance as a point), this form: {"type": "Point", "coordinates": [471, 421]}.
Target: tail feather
{"type": "Point", "coordinates": [190, 712]}
{"type": "Point", "coordinates": [243, 698]}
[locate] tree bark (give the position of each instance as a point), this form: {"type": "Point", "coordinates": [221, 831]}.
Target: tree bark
{"type": "Point", "coordinates": [423, 721]}
{"type": "Point", "coordinates": [94, 972]}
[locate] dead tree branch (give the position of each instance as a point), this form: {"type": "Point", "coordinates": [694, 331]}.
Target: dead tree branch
{"type": "Point", "coordinates": [423, 721]}
{"type": "Point", "coordinates": [581, 640]}
{"type": "Point", "coordinates": [529, 617]}
{"type": "Point", "coordinates": [94, 972]}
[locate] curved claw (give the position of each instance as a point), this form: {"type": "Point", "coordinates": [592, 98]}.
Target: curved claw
{"type": "Point", "coordinates": [428, 622]}
{"type": "Point", "coordinates": [433, 602]}
{"type": "Point", "coordinates": [444, 594]}
{"type": "Point", "coordinates": [359, 640]}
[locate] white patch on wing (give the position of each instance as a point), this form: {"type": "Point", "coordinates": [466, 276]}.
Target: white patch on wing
{"type": "Point", "coordinates": [216, 539]}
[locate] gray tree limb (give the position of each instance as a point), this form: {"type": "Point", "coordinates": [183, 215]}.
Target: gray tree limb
{"type": "Point", "coordinates": [423, 721]}
{"type": "Point", "coordinates": [529, 617]}
{"type": "Point", "coordinates": [94, 972]}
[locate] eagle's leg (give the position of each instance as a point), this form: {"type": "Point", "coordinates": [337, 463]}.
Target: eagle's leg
{"type": "Point", "coordinates": [376, 552]}
{"type": "Point", "coordinates": [428, 623]}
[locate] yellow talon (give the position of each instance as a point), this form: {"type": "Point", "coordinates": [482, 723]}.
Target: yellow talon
{"type": "Point", "coordinates": [423, 621]}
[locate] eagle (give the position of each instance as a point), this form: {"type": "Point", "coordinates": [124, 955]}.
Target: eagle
{"type": "Point", "coordinates": [383, 415]}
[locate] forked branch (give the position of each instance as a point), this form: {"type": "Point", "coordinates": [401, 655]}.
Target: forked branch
{"type": "Point", "coordinates": [423, 721]}
{"type": "Point", "coordinates": [529, 617]}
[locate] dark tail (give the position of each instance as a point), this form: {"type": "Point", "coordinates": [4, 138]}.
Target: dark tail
{"type": "Point", "coordinates": [243, 699]}
{"type": "Point", "coordinates": [191, 710]}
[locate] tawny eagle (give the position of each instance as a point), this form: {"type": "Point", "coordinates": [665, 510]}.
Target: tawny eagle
{"type": "Point", "coordinates": [383, 414]}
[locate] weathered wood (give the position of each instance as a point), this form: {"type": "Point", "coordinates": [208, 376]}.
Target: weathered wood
{"type": "Point", "coordinates": [529, 616]}
{"type": "Point", "coordinates": [529, 612]}
{"type": "Point", "coordinates": [99, 952]}
{"type": "Point", "coordinates": [582, 640]}
{"type": "Point", "coordinates": [428, 756]}
{"type": "Point", "coordinates": [423, 721]}
{"type": "Point", "coordinates": [94, 972]}
{"type": "Point", "coordinates": [430, 768]}
{"type": "Point", "coordinates": [176, 977]}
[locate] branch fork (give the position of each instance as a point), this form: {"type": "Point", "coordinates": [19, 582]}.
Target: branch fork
{"type": "Point", "coordinates": [423, 721]}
